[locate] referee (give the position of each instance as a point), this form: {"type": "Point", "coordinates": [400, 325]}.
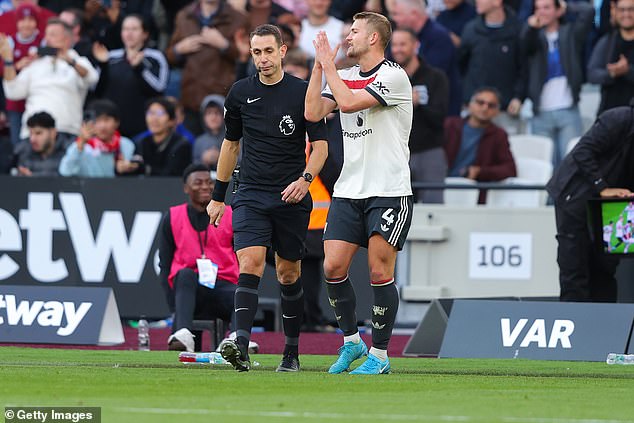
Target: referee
{"type": "Point", "coordinates": [272, 206]}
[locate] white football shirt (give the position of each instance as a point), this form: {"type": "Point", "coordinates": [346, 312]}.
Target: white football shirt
{"type": "Point", "coordinates": [375, 140]}
{"type": "Point", "coordinates": [629, 209]}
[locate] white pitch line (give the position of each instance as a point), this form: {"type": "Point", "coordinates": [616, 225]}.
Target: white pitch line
{"type": "Point", "coordinates": [560, 420]}
{"type": "Point", "coordinates": [347, 417]}
{"type": "Point", "coordinates": [295, 414]}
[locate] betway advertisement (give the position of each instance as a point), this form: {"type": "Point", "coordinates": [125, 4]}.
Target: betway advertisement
{"type": "Point", "coordinates": [92, 232]}
{"type": "Point", "coordinates": [59, 315]}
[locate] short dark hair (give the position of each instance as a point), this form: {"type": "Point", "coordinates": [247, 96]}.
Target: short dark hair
{"type": "Point", "coordinates": [165, 103]}
{"type": "Point", "coordinates": [78, 14]}
{"type": "Point", "coordinates": [41, 120]}
{"type": "Point", "coordinates": [105, 107]}
{"type": "Point", "coordinates": [267, 29]}
{"type": "Point", "coordinates": [288, 36]}
{"type": "Point", "coordinates": [296, 57]}
{"type": "Point", "coordinates": [487, 89]}
{"type": "Point", "coordinates": [409, 31]}
{"type": "Point", "coordinates": [144, 23]}
{"type": "Point", "coordinates": [194, 167]}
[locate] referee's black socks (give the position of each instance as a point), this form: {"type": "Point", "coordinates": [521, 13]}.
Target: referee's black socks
{"type": "Point", "coordinates": [292, 314]}
{"type": "Point", "coordinates": [246, 305]}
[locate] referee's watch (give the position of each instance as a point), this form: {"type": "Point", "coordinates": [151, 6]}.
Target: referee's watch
{"type": "Point", "coordinates": [307, 177]}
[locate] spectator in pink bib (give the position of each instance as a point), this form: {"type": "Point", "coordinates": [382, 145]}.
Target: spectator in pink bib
{"type": "Point", "coordinates": [198, 267]}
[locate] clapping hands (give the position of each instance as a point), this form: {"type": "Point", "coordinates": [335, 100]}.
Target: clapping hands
{"type": "Point", "coordinates": [324, 55]}
{"type": "Point", "coordinates": [190, 44]}
{"type": "Point", "coordinates": [212, 37]}
{"type": "Point", "coordinates": [5, 48]}
{"type": "Point", "coordinates": [100, 52]}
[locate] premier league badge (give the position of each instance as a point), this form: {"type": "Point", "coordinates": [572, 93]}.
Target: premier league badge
{"type": "Point", "coordinates": [287, 126]}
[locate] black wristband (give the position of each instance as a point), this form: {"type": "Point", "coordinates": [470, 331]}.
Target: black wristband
{"type": "Point", "coordinates": [8, 63]}
{"type": "Point", "coordinates": [220, 191]}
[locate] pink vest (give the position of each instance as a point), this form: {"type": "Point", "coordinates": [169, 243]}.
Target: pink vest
{"type": "Point", "coordinates": [219, 246]}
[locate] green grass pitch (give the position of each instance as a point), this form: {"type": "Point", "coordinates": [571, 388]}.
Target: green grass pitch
{"type": "Point", "coordinates": [133, 386]}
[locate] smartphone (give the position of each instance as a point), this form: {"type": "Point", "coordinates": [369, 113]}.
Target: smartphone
{"type": "Point", "coordinates": [89, 116]}
{"type": "Point", "coordinates": [46, 51]}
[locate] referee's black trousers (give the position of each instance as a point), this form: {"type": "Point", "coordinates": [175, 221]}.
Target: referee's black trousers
{"type": "Point", "coordinates": [585, 274]}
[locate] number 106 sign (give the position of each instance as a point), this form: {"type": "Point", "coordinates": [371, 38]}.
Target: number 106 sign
{"type": "Point", "coordinates": [500, 255]}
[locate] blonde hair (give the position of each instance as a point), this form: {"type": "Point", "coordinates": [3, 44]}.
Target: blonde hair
{"type": "Point", "coordinates": [378, 23]}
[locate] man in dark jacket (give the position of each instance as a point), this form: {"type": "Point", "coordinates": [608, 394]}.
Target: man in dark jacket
{"type": "Point", "coordinates": [430, 97]}
{"type": "Point", "coordinates": [476, 148]}
{"type": "Point", "coordinates": [489, 55]}
{"type": "Point", "coordinates": [611, 62]}
{"type": "Point", "coordinates": [455, 17]}
{"type": "Point", "coordinates": [600, 165]}
{"type": "Point", "coordinates": [555, 69]}
{"type": "Point", "coordinates": [41, 154]}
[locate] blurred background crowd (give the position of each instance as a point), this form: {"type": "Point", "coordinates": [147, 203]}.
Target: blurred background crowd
{"type": "Point", "coordinates": [105, 88]}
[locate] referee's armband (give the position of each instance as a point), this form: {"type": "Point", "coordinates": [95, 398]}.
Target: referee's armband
{"type": "Point", "coordinates": [220, 191]}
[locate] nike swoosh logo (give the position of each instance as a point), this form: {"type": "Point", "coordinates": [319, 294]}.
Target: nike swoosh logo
{"type": "Point", "coordinates": [383, 368]}
{"type": "Point", "coordinates": [288, 317]}
{"type": "Point", "coordinates": [241, 308]}
{"type": "Point", "coordinates": [252, 100]}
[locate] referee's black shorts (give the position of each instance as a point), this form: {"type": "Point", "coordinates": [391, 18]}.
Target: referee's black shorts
{"type": "Point", "coordinates": [261, 218]}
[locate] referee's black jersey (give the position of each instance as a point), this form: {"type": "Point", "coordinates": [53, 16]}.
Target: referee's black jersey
{"type": "Point", "coordinates": [270, 121]}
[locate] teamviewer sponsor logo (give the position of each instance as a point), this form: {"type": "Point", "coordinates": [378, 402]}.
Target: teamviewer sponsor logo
{"type": "Point", "coordinates": [358, 134]}
{"type": "Point", "coordinates": [65, 316]}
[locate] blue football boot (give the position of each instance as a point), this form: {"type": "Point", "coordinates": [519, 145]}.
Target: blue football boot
{"type": "Point", "coordinates": [373, 366]}
{"type": "Point", "coordinates": [348, 353]}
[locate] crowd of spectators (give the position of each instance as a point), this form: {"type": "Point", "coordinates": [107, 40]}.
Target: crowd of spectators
{"type": "Point", "coordinates": [100, 88]}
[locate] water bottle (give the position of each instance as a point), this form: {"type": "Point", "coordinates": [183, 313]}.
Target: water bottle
{"type": "Point", "coordinates": [144, 335]}
{"type": "Point", "coordinates": [201, 358]}
{"type": "Point", "coordinates": [206, 358]}
{"type": "Point", "coordinates": [614, 358]}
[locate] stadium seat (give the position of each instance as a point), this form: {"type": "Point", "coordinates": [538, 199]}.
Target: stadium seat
{"type": "Point", "coordinates": [531, 146]}
{"type": "Point", "coordinates": [460, 197]}
{"type": "Point", "coordinates": [529, 172]}
{"type": "Point", "coordinates": [534, 170]}
{"type": "Point", "coordinates": [515, 198]}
